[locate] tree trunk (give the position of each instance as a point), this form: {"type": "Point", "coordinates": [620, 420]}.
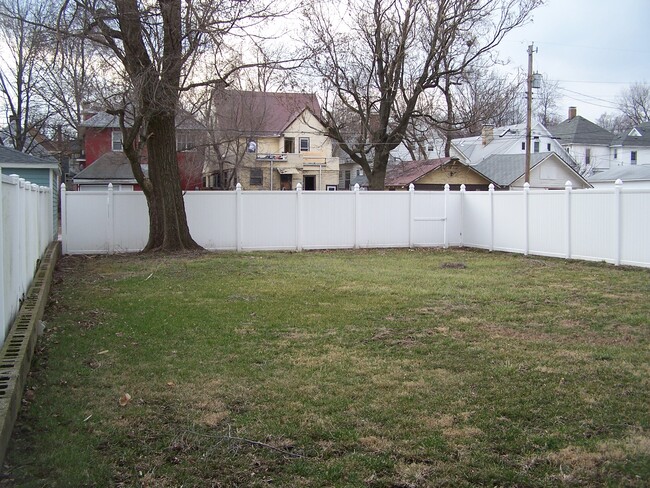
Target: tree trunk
{"type": "Point", "coordinates": [377, 176]}
{"type": "Point", "coordinates": [168, 229]}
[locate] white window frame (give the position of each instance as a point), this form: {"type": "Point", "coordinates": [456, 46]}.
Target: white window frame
{"type": "Point", "coordinates": [116, 140]}
{"type": "Point", "coordinates": [304, 139]}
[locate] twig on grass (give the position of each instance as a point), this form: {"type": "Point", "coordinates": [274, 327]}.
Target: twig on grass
{"type": "Point", "coordinates": [243, 440]}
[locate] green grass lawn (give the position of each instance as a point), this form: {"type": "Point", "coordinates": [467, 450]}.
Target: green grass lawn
{"type": "Point", "coordinates": [394, 368]}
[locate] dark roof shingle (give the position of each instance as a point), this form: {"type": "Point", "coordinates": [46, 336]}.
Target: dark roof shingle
{"type": "Point", "coordinates": [579, 130]}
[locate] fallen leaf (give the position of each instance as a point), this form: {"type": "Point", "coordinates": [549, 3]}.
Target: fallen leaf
{"type": "Point", "coordinates": [125, 399]}
{"type": "Point", "coordinates": [102, 352]}
{"type": "Point", "coordinates": [171, 383]}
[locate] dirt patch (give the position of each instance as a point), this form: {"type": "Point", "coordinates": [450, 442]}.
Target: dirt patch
{"type": "Point", "coordinates": [578, 465]}
{"type": "Point", "coordinates": [376, 444]}
{"type": "Point", "coordinates": [533, 333]}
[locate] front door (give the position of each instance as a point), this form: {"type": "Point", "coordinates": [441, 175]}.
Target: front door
{"type": "Point", "coordinates": [310, 183]}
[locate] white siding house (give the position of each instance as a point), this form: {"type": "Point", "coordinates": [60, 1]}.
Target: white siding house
{"type": "Point", "coordinates": [587, 143]}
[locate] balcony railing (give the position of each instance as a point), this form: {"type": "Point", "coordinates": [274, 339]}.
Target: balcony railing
{"type": "Point", "coordinates": [270, 157]}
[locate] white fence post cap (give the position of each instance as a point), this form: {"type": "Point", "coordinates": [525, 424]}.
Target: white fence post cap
{"type": "Point", "coordinates": [238, 187]}
{"type": "Point", "coordinates": [411, 187]}
{"type": "Point", "coordinates": [526, 186]}
{"type": "Point", "coordinates": [463, 187]}
{"type": "Point", "coordinates": [447, 187]}
{"type": "Point", "coordinates": [110, 186]}
{"type": "Point", "coordinates": [299, 187]}
{"type": "Point", "coordinates": [491, 187]}
{"type": "Point", "coordinates": [356, 187]}
{"type": "Point", "coordinates": [568, 185]}
{"type": "Point", "coordinates": [618, 182]}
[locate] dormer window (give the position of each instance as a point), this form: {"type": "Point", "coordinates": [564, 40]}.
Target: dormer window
{"type": "Point", "coordinates": [635, 133]}
{"type": "Point", "coordinates": [116, 141]}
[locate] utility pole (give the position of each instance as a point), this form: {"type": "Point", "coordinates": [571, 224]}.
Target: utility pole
{"type": "Point", "coordinates": [529, 110]}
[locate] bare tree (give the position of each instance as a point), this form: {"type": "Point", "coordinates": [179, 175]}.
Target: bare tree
{"type": "Point", "coordinates": [546, 103]}
{"type": "Point", "coordinates": [376, 63]}
{"type": "Point", "coordinates": [615, 123]}
{"type": "Point", "coordinates": [634, 103]}
{"type": "Point", "coordinates": [71, 74]}
{"type": "Point", "coordinates": [25, 39]}
{"type": "Point", "coordinates": [161, 45]}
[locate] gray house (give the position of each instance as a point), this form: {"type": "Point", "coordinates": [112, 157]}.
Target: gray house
{"type": "Point", "coordinates": [547, 170]}
{"type": "Point", "coordinates": [40, 171]}
{"type": "Point", "coordinates": [587, 143]}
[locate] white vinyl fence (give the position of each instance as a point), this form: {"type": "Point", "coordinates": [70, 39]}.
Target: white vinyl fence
{"type": "Point", "coordinates": [25, 233]}
{"type": "Point", "coordinates": [602, 225]}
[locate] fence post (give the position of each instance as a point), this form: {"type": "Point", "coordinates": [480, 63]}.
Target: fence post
{"type": "Point", "coordinates": [64, 220]}
{"type": "Point", "coordinates": [15, 234]}
{"type": "Point", "coordinates": [526, 220]}
{"type": "Point", "coordinates": [111, 227]}
{"type": "Point", "coordinates": [238, 217]}
{"type": "Point", "coordinates": [356, 216]}
{"type": "Point", "coordinates": [35, 243]}
{"type": "Point", "coordinates": [568, 186]}
{"type": "Point", "coordinates": [299, 217]}
{"type": "Point", "coordinates": [618, 233]}
{"type": "Point", "coordinates": [3, 311]}
{"type": "Point", "coordinates": [411, 217]}
{"type": "Point", "coordinates": [21, 251]}
{"type": "Point", "coordinates": [462, 214]}
{"type": "Point", "coordinates": [445, 235]}
{"type": "Point", "coordinates": [491, 194]}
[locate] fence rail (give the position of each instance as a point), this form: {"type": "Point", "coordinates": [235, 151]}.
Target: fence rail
{"type": "Point", "coordinates": [602, 225]}
{"type": "Point", "coordinates": [25, 232]}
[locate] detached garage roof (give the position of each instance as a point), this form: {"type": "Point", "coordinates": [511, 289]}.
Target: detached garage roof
{"type": "Point", "coordinates": [10, 158]}
{"type": "Point", "coordinates": [624, 173]}
{"type": "Point", "coordinates": [111, 167]}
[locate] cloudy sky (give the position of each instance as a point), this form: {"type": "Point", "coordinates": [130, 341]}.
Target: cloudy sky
{"type": "Point", "coordinates": [593, 48]}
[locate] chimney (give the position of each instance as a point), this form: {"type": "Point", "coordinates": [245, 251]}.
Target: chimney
{"type": "Point", "coordinates": [573, 111]}
{"type": "Point", "coordinates": [487, 134]}
{"type": "Point", "coordinates": [87, 110]}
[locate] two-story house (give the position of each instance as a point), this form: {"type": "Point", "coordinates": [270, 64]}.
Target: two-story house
{"type": "Point", "coordinates": [103, 160]}
{"type": "Point", "coordinates": [269, 141]}
{"type": "Point", "coordinates": [587, 143]}
{"type": "Point", "coordinates": [632, 148]}
{"type": "Point", "coordinates": [500, 155]}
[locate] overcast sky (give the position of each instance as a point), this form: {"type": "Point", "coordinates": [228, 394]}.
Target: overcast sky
{"type": "Point", "coordinates": [593, 48]}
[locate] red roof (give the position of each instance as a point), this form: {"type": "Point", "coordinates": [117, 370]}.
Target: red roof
{"type": "Point", "coordinates": [405, 173]}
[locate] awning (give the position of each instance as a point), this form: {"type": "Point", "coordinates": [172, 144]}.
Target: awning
{"type": "Point", "coordinates": [287, 171]}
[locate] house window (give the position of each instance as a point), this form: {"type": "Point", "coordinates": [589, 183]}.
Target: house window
{"type": "Point", "coordinates": [289, 145]}
{"type": "Point", "coordinates": [615, 153]}
{"type": "Point", "coordinates": [359, 172]}
{"type": "Point", "coordinates": [116, 140]}
{"type": "Point", "coordinates": [548, 147]}
{"type": "Point", "coordinates": [523, 146]}
{"type": "Point", "coordinates": [587, 156]}
{"type": "Point", "coordinates": [536, 146]}
{"type": "Point", "coordinates": [185, 141]}
{"type": "Point", "coordinates": [633, 157]}
{"type": "Point", "coordinates": [257, 176]}
{"type": "Point", "coordinates": [347, 180]}
{"type": "Point", "coordinates": [304, 144]}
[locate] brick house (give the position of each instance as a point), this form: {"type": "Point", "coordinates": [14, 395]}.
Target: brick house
{"type": "Point", "coordinates": [102, 150]}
